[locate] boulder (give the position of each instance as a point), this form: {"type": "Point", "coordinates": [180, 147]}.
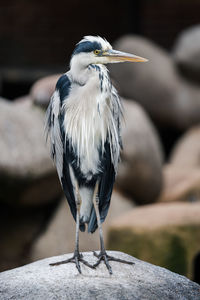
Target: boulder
{"type": "Point", "coordinates": [182, 174]}
{"type": "Point", "coordinates": [186, 52]}
{"type": "Point", "coordinates": [59, 236]}
{"type": "Point", "coordinates": [186, 152]}
{"type": "Point", "coordinates": [140, 170]}
{"type": "Point", "coordinates": [153, 83]}
{"type": "Point", "coordinates": [165, 234]}
{"type": "Point", "coordinates": [156, 84]}
{"type": "Point", "coordinates": [27, 174]}
{"type": "Point", "coordinates": [186, 106]}
{"type": "Point", "coordinates": [180, 184]}
{"type": "Point", "coordinates": [42, 90]}
{"type": "Point", "coordinates": [139, 281]}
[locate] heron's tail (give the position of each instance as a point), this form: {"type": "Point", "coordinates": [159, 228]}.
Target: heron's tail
{"type": "Point", "coordinates": [82, 227]}
{"type": "Point", "coordinates": [92, 226]}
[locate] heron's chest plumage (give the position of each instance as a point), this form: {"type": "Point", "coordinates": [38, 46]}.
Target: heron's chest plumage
{"type": "Point", "coordinates": [86, 120]}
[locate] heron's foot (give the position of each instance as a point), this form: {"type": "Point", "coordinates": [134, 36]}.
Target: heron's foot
{"type": "Point", "coordinates": [106, 258]}
{"type": "Point", "coordinates": [76, 259]}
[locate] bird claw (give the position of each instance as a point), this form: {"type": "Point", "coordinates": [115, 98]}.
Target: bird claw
{"type": "Point", "coordinates": [106, 258]}
{"type": "Point", "coordinates": [76, 259]}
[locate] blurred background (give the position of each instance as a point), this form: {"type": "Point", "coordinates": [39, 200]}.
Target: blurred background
{"type": "Point", "coordinates": [155, 210]}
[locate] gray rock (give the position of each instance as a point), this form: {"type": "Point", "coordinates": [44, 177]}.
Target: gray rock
{"type": "Point", "coordinates": [186, 52]}
{"type": "Point", "coordinates": [181, 181]}
{"type": "Point", "coordinates": [186, 105]}
{"type": "Point", "coordinates": [186, 152]}
{"type": "Point", "coordinates": [156, 84]}
{"type": "Point", "coordinates": [140, 169]}
{"type": "Point", "coordinates": [139, 281]}
{"type": "Point", "coordinates": [164, 234]}
{"type": "Point", "coordinates": [153, 83]}
{"type": "Point", "coordinates": [27, 174]}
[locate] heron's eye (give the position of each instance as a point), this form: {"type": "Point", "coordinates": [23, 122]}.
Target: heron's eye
{"type": "Point", "coordinates": [96, 52]}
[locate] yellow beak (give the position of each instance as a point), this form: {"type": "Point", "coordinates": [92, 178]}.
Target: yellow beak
{"type": "Point", "coordinates": [118, 56]}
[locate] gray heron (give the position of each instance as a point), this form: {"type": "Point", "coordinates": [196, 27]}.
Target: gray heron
{"type": "Point", "coordinates": [83, 123]}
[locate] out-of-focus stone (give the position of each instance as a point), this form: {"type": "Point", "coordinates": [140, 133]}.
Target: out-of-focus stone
{"type": "Point", "coordinates": [153, 83]}
{"type": "Point", "coordinates": [186, 52]}
{"type": "Point", "coordinates": [27, 174]}
{"type": "Point", "coordinates": [23, 98]}
{"type": "Point", "coordinates": [140, 170]}
{"type": "Point", "coordinates": [43, 89]}
{"type": "Point", "coordinates": [186, 152]}
{"type": "Point", "coordinates": [186, 105]}
{"type": "Point", "coordinates": [39, 280]}
{"type": "Point", "coordinates": [156, 84]}
{"type": "Point", "coordinates": [182, 175]}
{"type": "Point", "coordinates": [165, 234]}
{"type": "Point", "coordinates": [180, 184]}
{"type": "Point", "coordinates": [59, 236]}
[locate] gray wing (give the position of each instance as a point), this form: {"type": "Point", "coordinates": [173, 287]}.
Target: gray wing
{"type": "Point", "coordinates": [53, 130]}
{"type": "Point", "coordinates": [58, 146]}
{"type": "Point", "coordinates": [115, 139]}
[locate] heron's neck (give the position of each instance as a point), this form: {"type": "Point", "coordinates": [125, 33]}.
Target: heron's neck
{"type": "Point", "coordinates": [79, 71]}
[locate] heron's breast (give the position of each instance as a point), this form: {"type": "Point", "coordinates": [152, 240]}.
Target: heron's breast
{"type": "Point", "coordinates": [86, 128]}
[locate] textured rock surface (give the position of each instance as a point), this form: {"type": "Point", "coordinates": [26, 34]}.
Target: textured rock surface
{"type": "Point", "coordinates": [140, 170]}
{"type": "Point", "coordinates": [59, 236]}
{"type": "Point", "coordinates": [27, 174]}
{"type": "Point", "coordinates": [139, 281]}
{"type": "Point", "coordinates": [156, 84]}
{"type": "Point", "coordinates": [187, 52]}
{"type": "Point", "coordinates": [165, 234]}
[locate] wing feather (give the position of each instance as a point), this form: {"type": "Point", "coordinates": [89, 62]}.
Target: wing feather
{"type": "Point", "coordinates": [58, 146]}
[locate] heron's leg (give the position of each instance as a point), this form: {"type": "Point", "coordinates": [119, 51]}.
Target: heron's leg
{"type": "Point", "coordinates": [77, 257]}
{"type": "Point", "coordinates": [102, 254]}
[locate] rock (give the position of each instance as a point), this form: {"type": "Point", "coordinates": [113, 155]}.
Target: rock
{"type": "Point", "coordinates": [43, 89]}
{"type": "Point", "coordinates": [186, 152]}
{"type": "Point", "coordinates": [140, 170]}
{"type": "Point", "coordinates": [156, 85]}
{"type": "Point", "coordinates": [23, 98]}
{"type": "Point", "coordinates": [180, 184]}
{"type": "Point", "coordinates": [59, 236]}
{"type": "Point", "coordinates": [27, 174]}
{"type": "Point", "coordinates": [165, 234]}
{"type": "Point", "coordinates": [152, 84]}
{"type": "Point", "coordinates": [186, 106]}
{"type": "Point", "coordinates": [182, 176]}
{"type": "Point", "coordinates": [186, 52]}
{"type": "Point", "coordinates": [139, 281]}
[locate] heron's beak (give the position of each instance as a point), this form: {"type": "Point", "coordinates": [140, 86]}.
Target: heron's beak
{"type": "Point", "coordinates": [118, 56]}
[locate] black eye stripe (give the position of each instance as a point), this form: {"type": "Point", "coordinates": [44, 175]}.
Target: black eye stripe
{"type": "Point", "coordinates": [87, 47]}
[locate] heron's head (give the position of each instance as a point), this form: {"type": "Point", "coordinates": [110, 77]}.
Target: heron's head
{"type": "Point", "coordinates": [96, 50]}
